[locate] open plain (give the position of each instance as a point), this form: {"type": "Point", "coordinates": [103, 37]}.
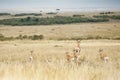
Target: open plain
{"type": "Point", "coordinates": [48, 55]}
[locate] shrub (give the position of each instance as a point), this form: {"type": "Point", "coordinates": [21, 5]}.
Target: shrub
{"type": "Point", "coordinates": [1, 36]}
{"type": "Point", "coordinates": [25, 37]}
{"type": "Point", "coordinates": [89, 37]}
{"type": "Point", "coordinates": [38, 14]}
{"type": "Point", "coordinates": [101, 16]}
{"type": "Point", "coordinates": [106, 12]}
{"type": "Point", "coordinates": [37, 37]}
{"type": "Point", "coordinates": [27, 14]}
{"type": "Point", "coordinates": [36, 19]}
{"type": "Point", "coordinates": [107, 16]}
{"type": "Point", "coordinates": [98, 37]}
{"type": "Point", "coordinates": [77, 38]}
{"type": "Point", "coordinates": [21, 37]}
{"type": "Point", "coordinates": [2, 14]}
{"type": "Point", "coordinates": [28, 18]}
{"type": "Point", "coordinates": [51, 13]}
{"type": "Point", "coordinates": [78, 15]}
{"type": "Point", "coordinates": [115, 17]}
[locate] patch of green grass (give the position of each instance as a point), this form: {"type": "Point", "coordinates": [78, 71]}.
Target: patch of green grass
{"type": "Point", "coordinates": [116, 17]}
{"type": "Point", "coordinates": [49, 20]}
{"type": "Point", "coordinates": [2, 14]}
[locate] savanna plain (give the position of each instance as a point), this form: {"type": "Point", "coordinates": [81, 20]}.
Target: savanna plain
{"type": "Point", "coordinates": [48, 55]}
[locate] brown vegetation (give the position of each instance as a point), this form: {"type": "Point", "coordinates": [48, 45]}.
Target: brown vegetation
{"type": "Point", "coordinates": [49, 62]}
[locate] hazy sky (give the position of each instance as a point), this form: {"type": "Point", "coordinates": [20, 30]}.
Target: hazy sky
{"type": "Point", "coordinates": [37, 4]}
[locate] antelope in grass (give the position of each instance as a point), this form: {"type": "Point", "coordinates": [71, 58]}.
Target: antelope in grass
{"type": "Point", "coordinates": [31, 56]}
{"type": "Point", "coordinates": [72, 58]}
{"type": "Point", "coordinates": [104, 57]}
{"type": "Point", "coordinates": [77, 49]}
{"type": "Point", "coordinates": [76, 54]}
{"type": "Point", "coordinates": [69, 58]}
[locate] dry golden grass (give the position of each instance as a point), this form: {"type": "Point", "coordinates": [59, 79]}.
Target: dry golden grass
{"type": "Point", "coordinates": [108, 29]}
{"type": "Point", "coordinates": [49, 60]}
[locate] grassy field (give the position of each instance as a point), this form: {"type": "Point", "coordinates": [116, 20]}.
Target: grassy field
{"type": "Point", "coordinates": [39, 19]}
{"type": "Point", "coordinates": [49, 61]}
{"type": "Point", "coordinates": [83, 30]}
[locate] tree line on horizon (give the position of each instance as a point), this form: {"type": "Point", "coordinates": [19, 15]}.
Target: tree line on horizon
{"type": "Point", "coordinates": [49, 20]}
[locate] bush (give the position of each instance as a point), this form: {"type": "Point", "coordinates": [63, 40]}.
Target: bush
{"type": "Point", "coordinates": [78, 15]}
{"type": "Point", "coordinates": [98, 37]}
{"type": "Point", "coordinates": [34, 37]}
{"type": "Point", "coordinates": [2, 14]}
{"type": "Point", "coordinates": [25, 37]}
{"type": "Point", "coordinates": [51, 13]}
{"type": "Point", "coordinates": [89, 37]}
{"type": "Point", "coordinates": [37, 37]}
{"type": "Point", "coordinates": [28, 18]}
{"type": "Point", "coordinates": [21, 37]}
{"type": "Point", "coordinates": [77, 38]}
{"type": "Point", "coordinates": [107, 16]}
{"type": "Point", "coordinates": [27, 14]}
{"type": "Point", "coordinates": [3, 38]}
{"type": "Point", "coordinates": [101, 16]}
{"type": "Point", "coordinates": [115, 17]}
{"type": "Point", "coordinates": [106, 12]}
